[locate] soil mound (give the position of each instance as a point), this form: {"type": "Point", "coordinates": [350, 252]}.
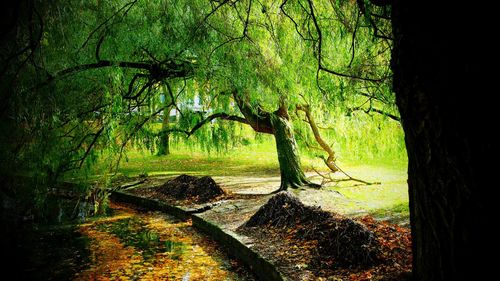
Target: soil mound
{"type": "Point", "coordinates": [346, 241]}
{"type": "Point", "coordinates": [185, 187]}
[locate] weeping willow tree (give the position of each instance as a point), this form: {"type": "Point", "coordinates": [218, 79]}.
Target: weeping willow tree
{"type": "Point", "coordinates": [272, 58]}
{"type": "Point", "coordinates": [83, 78]}
{"type": "Point", "coordinates": [79, 78]}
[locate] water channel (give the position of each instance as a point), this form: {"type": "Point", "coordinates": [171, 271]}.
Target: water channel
{"type": "Point", "coordinates": [129, 244]}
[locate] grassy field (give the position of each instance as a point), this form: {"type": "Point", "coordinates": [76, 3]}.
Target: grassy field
{"type": "Point", "coordinates": [386, 200]}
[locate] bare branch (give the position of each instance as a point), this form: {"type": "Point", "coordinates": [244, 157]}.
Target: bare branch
{"type": "Point", "coordinates": [330, 161]}
{"type": "Point", "coordinates": [372, 109]}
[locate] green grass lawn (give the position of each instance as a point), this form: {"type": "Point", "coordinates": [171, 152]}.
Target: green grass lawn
{"type": "Point", "coordinates": [389, 199]}
{"type": "Point", "coordinates": [254, 161]}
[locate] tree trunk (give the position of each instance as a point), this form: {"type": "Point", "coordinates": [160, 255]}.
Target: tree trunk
{"type": "Point", "coordinates": [278, 124]}
{"type": "Point", "coordinates": [440, 84]}
{"type": "Point", "coordinates": [164, 148]}
{"type": "Point", "coordinates": [288, 155]}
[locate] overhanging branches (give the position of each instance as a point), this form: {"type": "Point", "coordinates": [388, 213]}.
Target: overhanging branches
{"type": "Point", "coordinates": [319, 46]}
{"type": "Point", "coordinates": [220, 115]}
{"type": "Point", "coordinates": [154, 71]}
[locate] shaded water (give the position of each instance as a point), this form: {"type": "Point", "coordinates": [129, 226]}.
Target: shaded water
{"type": "Point", "coordinates": [129, 245]}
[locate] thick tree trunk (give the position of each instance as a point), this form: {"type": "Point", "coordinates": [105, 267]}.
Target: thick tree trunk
{"type": "Point", "coordinates": [441, 87]}
{"type": "Point", "coordinates": [288, 156]}
{"type": "Point", "coordinates": [278, 124]}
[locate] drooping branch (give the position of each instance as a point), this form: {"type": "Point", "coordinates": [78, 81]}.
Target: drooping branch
{"type": "Point", "coordinates": [173, 100]}
{"type": "Point", "coordinates": [319, 45]}
{"type": "Point", "coordinates": [158, 71]}
{"type": "Point", "coordinates": [136, 128]}
{"type": "Point", "coordinates": [295, 24]}
{"type": "Point", "coordinates": [208, 119]}
{"type": "Point", "coordinates": [377, 32]}
{"type": "Point", "coordinates": [376, 110]}
{"type": "Point", "coordinates": [202, 22]}
{"type": "Point", "coordinates": [126, 7]}
{"type": "Point", "coordinates": [220, 115]}
{"type": "Point", "coordinates": [91, 145]}
{"type": "Point", "coordinates": [78, 163]}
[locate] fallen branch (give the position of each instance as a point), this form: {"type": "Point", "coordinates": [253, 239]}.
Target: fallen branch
{"type": "Point", "coordinates": [327, 178]}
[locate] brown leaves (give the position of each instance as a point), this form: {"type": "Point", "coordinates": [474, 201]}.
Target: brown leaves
{"type": "Point", "coordinates": [395, 241]}
{"type": "Point", "coordinates": [290, 253]}
{"type": "Point", "coordinates": [180, 251]}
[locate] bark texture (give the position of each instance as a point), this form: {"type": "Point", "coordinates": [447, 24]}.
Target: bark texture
{"type": "Point", "coordinates": [288, 156]}
{"type": "Point", "coordinates": [278, 124]}
{"type": "Point", "coordinates": [442, 87]}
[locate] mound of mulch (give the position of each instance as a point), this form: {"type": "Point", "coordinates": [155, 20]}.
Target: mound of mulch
{"type": "Point", "coordinates": [195, 189]}
{"type": "Point", "coordinates": [345, 241]}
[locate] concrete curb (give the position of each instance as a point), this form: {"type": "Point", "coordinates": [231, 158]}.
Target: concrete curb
{"type": "Point", "coordinates": [262, 268]}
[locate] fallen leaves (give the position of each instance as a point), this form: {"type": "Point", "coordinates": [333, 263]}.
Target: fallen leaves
{"type": "Point", "coordinates": [151, 246]}
{"type": "Point", "coordinates": [291, 254]}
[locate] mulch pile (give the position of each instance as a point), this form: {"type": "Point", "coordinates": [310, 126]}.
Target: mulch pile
{"type": "Point", "coordinates": [340, 239]}
{"type": "Point", "coordinates": [195, 189]}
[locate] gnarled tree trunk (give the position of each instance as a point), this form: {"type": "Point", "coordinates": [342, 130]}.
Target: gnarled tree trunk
{"type": "Point", "coordinates": [278, 124]}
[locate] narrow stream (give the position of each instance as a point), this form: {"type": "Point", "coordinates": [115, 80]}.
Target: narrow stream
{"type": "Point", "coordinates": [134, 245]}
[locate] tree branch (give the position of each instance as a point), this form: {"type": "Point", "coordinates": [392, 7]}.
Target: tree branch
{"type": "Point", "coordinates": [220, 115]}
{"type": "Point", "coordinates": [156, 71]}
{"type": "Point", "coordinates": [130, 5]}
{"type": "Point", "coordinates": [258, 118]}
{"type": "Point", "coordinates": [372, 109]}
{"type": "Point", "coordinates": [319, 52]}
{"type": "Point", "coordinates": [330, 161]}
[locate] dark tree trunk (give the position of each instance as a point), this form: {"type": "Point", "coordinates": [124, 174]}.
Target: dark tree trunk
{"type": "Point", "coordinates": [441, 86]}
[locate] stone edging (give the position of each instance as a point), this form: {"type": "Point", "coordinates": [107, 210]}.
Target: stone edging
{"type": "Point", "coordinates": [261, 268]}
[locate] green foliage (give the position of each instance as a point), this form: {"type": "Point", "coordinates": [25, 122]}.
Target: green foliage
{"type": "Point", "coordinates": [62, 123]}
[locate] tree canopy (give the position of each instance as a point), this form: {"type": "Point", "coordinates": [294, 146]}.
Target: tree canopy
{"type": "Point", "coordinates": [84, 79]}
